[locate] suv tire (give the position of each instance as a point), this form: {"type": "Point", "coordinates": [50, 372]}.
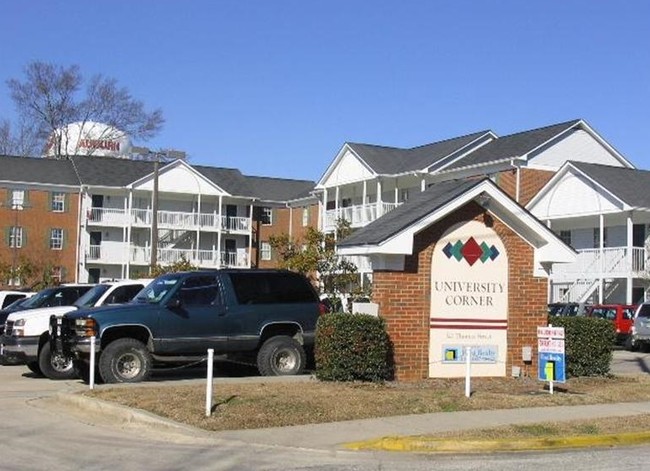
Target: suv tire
{"type": "Point", "coordinates": [55, 366]}
{"type": "Point", "coordinates": [34, 368]}
{"type": "Point", "coordinates": [125, 361]}
{"type": "Point", "coordinates": [281, 356]}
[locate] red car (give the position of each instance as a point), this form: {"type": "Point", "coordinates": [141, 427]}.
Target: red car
{"type": "Point", "coordinates": [622, 315]}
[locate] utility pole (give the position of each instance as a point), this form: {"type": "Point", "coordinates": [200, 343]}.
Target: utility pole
{"type": "Point", "coordinates": [154, 220]}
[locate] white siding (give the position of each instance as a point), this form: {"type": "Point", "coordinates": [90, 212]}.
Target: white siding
{"type": "Point", "coordinates": [578, 146]}
{"type": "Point", "coordinates": [574, 195]}
{"type": "Point", "coordinates": [180, 180]}
{"type": "Point", "coordinates": [348, 170]}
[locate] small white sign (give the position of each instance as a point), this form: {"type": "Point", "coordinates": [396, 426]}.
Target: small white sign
{"type": "Point", "coordinates": [550, 345]}
{"type": "Point", "coordinates": [550, 332]}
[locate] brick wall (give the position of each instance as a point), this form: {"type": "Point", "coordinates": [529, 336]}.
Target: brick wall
{"type": "Point", "coordinates": [283, 219]}
{"type": "Point", "coordinates": [404, 297]}
{"type": "Point", "coordinates": [37, 220]}
{"type": "Point", "coordinates": [530, 182]}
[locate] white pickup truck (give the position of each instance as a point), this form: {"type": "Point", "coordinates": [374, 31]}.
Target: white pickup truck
{"type": "Point", "coordinates": [26, 339]}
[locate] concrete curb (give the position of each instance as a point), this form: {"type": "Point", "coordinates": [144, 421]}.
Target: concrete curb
{"type": "Point", "coordinates": [423, 444]}
{"type": "Point", "coordinates": [129, 416]}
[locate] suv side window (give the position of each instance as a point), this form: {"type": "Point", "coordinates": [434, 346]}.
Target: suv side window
{"type": "Point", "coordinates": [628, 313]}
{"type": "Point", "coordinates": [123, 294]}
{"type": "Point", "coordinates": [271, 288]}
{"type": "Point", "coordinates": [199, 291]}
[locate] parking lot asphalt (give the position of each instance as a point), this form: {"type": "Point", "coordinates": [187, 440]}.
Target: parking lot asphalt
{"type": "Point", "coordinates": [402, 433]}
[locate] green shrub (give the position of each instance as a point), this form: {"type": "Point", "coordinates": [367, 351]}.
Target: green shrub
{"type": "Point", "coordinates": [588, 344]}
{"type": "Point", "coordinates": [353, 347]}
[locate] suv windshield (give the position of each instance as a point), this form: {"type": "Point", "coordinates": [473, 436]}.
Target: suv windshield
{"type": "Point", "coordinates": [90, 298]}
{"type": "Point", "coordinates": [157, 289]}
{"type": "Point", "coordinates": [38, 299]}
{"type": "Point", "coordinates": [644, 310]}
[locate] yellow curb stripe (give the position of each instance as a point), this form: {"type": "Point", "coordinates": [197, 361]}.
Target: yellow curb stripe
{"type": "Point", "coordinates": [432, 444]}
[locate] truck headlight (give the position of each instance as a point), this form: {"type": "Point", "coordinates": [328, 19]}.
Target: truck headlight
{"type": "Point", "coordinates": [19, 328]}
{"type": "Point", "coordinates": [85, 327]}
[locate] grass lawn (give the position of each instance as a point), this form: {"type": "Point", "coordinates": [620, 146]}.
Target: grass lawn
{"type": "Point", "coordinates": [272, 404]}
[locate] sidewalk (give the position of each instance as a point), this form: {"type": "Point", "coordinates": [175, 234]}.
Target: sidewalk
{"type": "Point", "coordinates": [405, 432]}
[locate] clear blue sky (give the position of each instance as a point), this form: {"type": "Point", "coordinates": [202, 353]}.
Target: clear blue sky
{"type": "Point", "coordinates": [274, 88]}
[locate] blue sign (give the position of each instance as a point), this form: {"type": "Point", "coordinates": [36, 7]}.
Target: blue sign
{"type": "Point", "coordinates": [552, 367]}
{"type": "Point", "coordinates": [479, 353]}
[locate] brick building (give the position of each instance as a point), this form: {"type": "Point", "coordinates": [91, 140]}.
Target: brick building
{"type": "Point", "coordinates": [460, 264]}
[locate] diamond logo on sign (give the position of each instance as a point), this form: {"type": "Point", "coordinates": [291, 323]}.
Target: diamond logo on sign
{"type": "Point", "coordinates": [471, 251]}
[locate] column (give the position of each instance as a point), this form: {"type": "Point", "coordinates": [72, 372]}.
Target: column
{"type": "Point", "coordinates": [630, 258]}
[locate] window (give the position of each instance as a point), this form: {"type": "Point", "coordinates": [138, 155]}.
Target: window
{"type": "Point", "coordinates": [57, 274]}
{"type": "Point", "coordinates": [266, 216]}
{"type": "Point", "coordinates": [199, 291]}
{"type": "Point", "coordinates": [305, 216]}
{"type": "Point", "coordinates": [18, 199]}
{"type": "Point", "coordinates": [565, 236]}
{"type": "Point", "coordinates": [271, 288]}
{"type": "Point", "coordinates": [404, 195]}
{"type": "Point", "coordinates": [265, 251]}
{"type": "Point", "coordinates": [58, 202]}
{"type": "Point", "coordinates": [56, 239]}
{"type": "Point", "coordinates": [597, 237]}
{"type": "Point", "coordinates": [15, 237]}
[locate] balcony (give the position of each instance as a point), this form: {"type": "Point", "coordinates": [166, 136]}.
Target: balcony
{"type": "Point", "coordinates": [358, 216]}
{"type": "Point", "coordinates": [168, 220]}
{"type": "Point", "coordinates": [166, 256]}
{"type": "Point", "coordinates": [614, 262]}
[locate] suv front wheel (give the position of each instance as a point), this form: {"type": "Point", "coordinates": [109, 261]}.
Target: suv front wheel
{"type": "Point", "coordinates": [281, 356]}
{"type": "Point", "coordinates": [125, 361]}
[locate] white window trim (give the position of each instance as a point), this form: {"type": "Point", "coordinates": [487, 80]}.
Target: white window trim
{"type": "Point", "coordinates": [58, 198]}
{"type": "Point", "coordinates": [53, 239]}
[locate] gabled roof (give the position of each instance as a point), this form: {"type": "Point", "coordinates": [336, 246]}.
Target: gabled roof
{"type": "Point", "coordinates": [229, 179]}
{"type": "Point", "coordinates": [37, 170]}
{"type": "Point", "coordinates": [631, 186]}
{"type": "Point", "coordinates": [513, 145]}
{"type": "Point", "coordinates": [413, 210]}
{"type": "Point", "coordinates": [393, 160]}
{"type": "Point", "coordinates": [392, 235]}
{"type": "Point", "coordinates": [110, 171]}
{"type": "Point", "coordinates": [279, 189]}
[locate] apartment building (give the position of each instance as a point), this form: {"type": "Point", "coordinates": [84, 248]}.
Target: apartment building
{"type": "Point", "coordinates": [365, 182]}
{"type": "Point", "coordinates": [211, 217]}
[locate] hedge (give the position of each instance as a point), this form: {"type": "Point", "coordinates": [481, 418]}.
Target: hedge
{"type": "Point", "coordinates": [588, 344]}
{"type": "Point", "coordinates": [353, 347]}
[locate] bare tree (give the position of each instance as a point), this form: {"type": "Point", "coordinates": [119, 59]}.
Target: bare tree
{"type": "Point", "coordinates": [50, 98]}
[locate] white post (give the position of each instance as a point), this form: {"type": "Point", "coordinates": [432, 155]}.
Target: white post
{"type": "Point", "coordinates": [468, 377]}
{"type": "Point", "coordinates": [550, 386]}
{"type": "Point", "coordinates": [92, 363]}
{"type": "Point", "coordinates": [208, 388]}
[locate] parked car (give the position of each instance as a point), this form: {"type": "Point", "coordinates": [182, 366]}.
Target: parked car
{"type": "Point", "coordinates": [63, 295]}
{"type": "Point", "coordinates": [622, 315]}
{"type": "Point", "coordinates": [267, 317]}
{"type": "Point", "coordinates": [639, 337]}
{"type": "Point", "coordinates": [26, 340]}
{"type": "Point", "coordinates": [9, 297]}
{"type": "Point", "coordinates": [568, 309]}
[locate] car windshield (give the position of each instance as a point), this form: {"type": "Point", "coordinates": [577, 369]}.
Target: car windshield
{"type": "Point", "coordinates": [90, 297]}
{"type": "Point", "coordinates": [555, 309]}
{"type": "Point", "coordinates": [38, 299]}
{"type": "Point", "coordinates": [157, 289]}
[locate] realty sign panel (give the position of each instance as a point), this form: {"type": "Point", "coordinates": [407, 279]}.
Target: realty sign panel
{"type": "Point", "coordinates": [551, 356]}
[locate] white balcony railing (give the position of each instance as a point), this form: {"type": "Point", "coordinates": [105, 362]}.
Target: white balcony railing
{"type": "Point", "coordinates": [359, 215]}
{"type": "Point", "coordinates": [167, 219]}
{"type": "Point", "coordinates": [613, 262]}
{"type": "Point", "coordinates": [199, 258]}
